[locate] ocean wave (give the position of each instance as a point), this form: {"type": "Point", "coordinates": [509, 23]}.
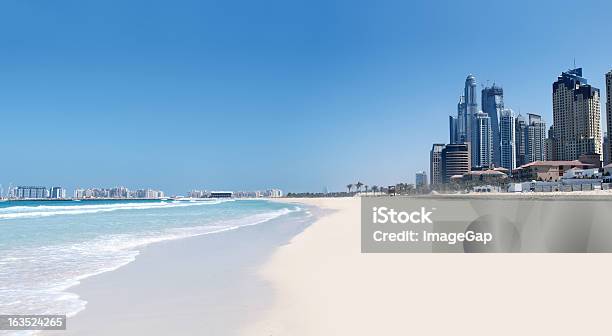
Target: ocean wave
{"type": "Point", "coordinates": [50, 210]}
{"type": "Point", "coordinates": [36, 280]}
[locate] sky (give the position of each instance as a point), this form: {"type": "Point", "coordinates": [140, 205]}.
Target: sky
{"type": "Point", "coordinates": [245, 95]}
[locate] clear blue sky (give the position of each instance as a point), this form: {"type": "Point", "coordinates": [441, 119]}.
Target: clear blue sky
{"type": "Point", "coordinates": [254, 94]}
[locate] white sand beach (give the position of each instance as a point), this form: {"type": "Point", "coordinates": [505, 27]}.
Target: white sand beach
{"type": "Point", "coordinates": [324, 286]}
{"type": "Point", "coordinates": [319, 283]}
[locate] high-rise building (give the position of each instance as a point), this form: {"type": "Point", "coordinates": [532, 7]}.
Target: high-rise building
{"type": "Point", "coordinates": [452, 128]}
{"type": "Point", "coordinates": [507, 134]}
{"type": "Point", "coordinates": [31, 192]}
{"type": "Point", "coordinates": [482, 141]}
{"type": "Point", "coordinates": [470, 111]}
{"type": "Point", "coordinates": [455, 160]}
{"type": "Point", "coordinates": [576, 116]}
{"type": "Point", "coordinates": [607, 153]}
{"type": "Point", "coordinates": [493, 105]}
{"type": "Point", "coordinates": [461, 132]}
{"type": "Point", "coordinates": [535, 139]}
{"type": "Point", "coordinates": [421, 180]}
{"type": "Point", "coordinates": [57, 192]}
{"type": "Point", "coordinates": [609, 111]}
{"type": "Point", "coordinates": [520, 142]}
{"type": "Point", "coordinates": [550, 144]}
{"type": "Point", "coordinates": [435, 164]}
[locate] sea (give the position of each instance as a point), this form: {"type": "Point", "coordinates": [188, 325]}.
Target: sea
{"type": "Point", "coordinates": [47, 247]}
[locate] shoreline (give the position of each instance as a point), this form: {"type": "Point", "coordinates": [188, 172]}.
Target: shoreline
{"type": "Point", "coordinates": [184, 286]}
{"type": "Point", "coordinates": [324, 285]}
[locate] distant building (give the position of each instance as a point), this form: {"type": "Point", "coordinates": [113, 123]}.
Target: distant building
{"type": "Point", "coordinates": [421, 180]}
{"type": "Point", "coordinates": [197, 194]}
{"type": "Point", "coordinates": [79, 193]}
{"type": "Point", "coordinates": [546, 170]}
{"type": "Point", "coordinates": [520, 130]}
{"type": "Point", "coordinates": [535, 138]}
{"type": "Point", "coordinates": [435, 164]}
{"type": "Point", "coordinates": [221, 194]}
{"type": "Point", "coordinates": [455, 160]}
{"type": "Point", "coordinates": [550, 144]}
{"type": "Point", "coordinates": [607, 151]}
{"type": "Point", "coordinates": [452, 129]}
{"type": "Point", "coordinates": [470, 107]}
{"type": "Point", "coordinates": [483, 141]}
{"type": "Point", "coordinates": [31, 192]}
{"type": "Point", "coordinates": [273, 193]}
{"type": "Point", "coordinates": [57, 192]}
{"type": "Point", "coordinates": [507, 126]}
{"type": "Point", "coordinates": [609, 113]}
{"type": "Point", "coordinates": [577, 116]}
{"type": "Point", "coordinates": [460, 135]}
{"type": "Point", "coordinates": [493, 105]}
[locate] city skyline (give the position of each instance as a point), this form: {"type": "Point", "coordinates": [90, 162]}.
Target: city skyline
{"type": "Point", "coordinates": [235, 97]}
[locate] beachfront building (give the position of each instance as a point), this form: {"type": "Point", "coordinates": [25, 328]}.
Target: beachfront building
{"type": "Point", "coordinates": [31, 192]}
{"type": "Point", "coordinates": [57, 192]}
{"type": "Point", "coordinates": [221, 194]}
{"type": "Point", "coordinates": [484, 177]}
{"type": "Point", "coordinates": [546, 170]}
{"type": "Point", "coordinates": [507, 137]}
{"type": "Point", "coordinates": [483, 141]}
{"type": "Point", "coordinates": [535, 138]}
{"type": "Point", "coordinates": [435, 164]}
{"type": "Point", "coordinates": [273, 193]}
{"type": "Point", "coordinates": [421, 180]}
{"type": "Point", "coordinates": [79, 193]}
{"type": "Point", "coordinates": [493, 105]}
{"type": "Point", "coordinates": [609, 113]}
{"type": "Point", "coordinates": [577, 116]}
{"type": "Point", "coordinates": [455, 160]}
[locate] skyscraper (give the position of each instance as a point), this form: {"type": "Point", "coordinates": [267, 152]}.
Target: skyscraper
{"type": "Point", "coordinates": [455, 160]}
{"type": "Point", "coordinates": [507, 126]}
{"type": "Point", "coordinates": [470, 111]}
{"type": "Point", "coordinates": [493, 105]}
{"type": "Point", "coordinates": [461, 132]}
{"type": "Point", "coordinates": [520, 142]}
{"type": "Point", "coordinates": [550, 144]}
{"type": "Point", "coordinates": [607, 150]}
{"type": "Point", "coordinates": [435, 164]}
{"type": "Point", "coordinates": [482, 141]}
{"type": "Point", "coordinates": [452, 128]}
{"type": "Point", "coordinates": [420, 180]}
{"type": "Point", "coordinates": [576, 116]}
{"type": "Point", "coordinates": [535, 139]}
{"type": "Point", "coordinates": [609, 110]}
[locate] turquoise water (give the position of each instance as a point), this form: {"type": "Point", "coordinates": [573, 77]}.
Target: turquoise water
{"type": "Point", "coordinates": [47, 247]}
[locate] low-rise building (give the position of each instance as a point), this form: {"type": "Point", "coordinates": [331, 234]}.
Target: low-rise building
{"type": "Point", "coordinates": [546, 170]}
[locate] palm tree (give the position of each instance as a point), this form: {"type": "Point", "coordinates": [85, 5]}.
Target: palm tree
{"type": "Point", "coordinates": [349, 187]}
{"type": "Point", "coordinates": [374, 189]}
{"type": "Point", "coordinates": [359, 185]}
{"type": "Point", "coordinates": [366, 189]}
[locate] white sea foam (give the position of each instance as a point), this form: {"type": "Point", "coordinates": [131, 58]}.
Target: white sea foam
{"type": "Point", "coordinates": [35, 280]}
{"type": "Point", "coordinates": [50, 210]}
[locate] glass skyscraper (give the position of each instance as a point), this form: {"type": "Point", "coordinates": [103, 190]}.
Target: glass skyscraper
{"type": "Point", "coordinates": [507, 134]}
{"type": "Point", "coordinates": [493, 105]}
